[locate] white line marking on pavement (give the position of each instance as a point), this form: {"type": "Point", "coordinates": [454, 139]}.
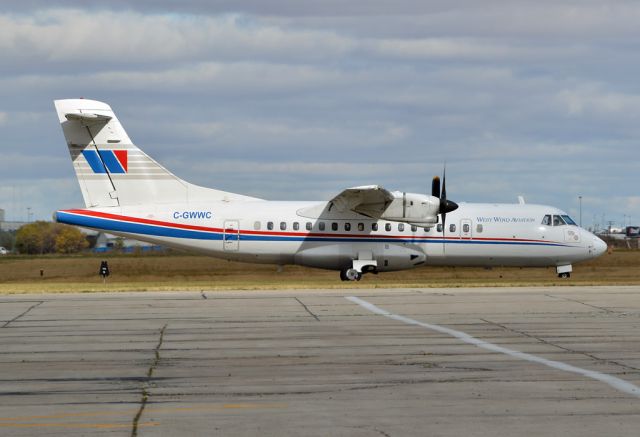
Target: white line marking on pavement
{"type": "Point", "coordinates": [617, 383]}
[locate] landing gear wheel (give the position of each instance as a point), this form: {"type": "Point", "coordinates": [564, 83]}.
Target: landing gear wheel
{"type": "Point", "coordinates": [565, 275]}
{"type": "Point", "coordinates": [353, 275]}
{"type": "Point", "coordinates": [343, 275]}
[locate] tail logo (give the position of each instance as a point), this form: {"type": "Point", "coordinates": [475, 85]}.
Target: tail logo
{"type": "Point", "coordinates": [113, 161]}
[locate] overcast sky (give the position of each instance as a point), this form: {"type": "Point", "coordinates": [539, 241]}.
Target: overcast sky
{"type": "Point", "coordinates": [293, 100]}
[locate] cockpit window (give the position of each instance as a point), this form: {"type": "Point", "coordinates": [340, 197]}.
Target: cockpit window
{"type": "Point", "coordinates": [557, 220]}
{"type": "Point", "coordinates": [546, 221]}
{"type": "Point", "coordinates": [568, 220]}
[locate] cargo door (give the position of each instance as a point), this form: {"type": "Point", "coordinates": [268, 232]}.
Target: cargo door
{"type": "Point", "coordinates": [231, 239]}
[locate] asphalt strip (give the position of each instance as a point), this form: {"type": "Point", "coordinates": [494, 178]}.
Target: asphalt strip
{"type": "Point", "coordinates": [617, 383]}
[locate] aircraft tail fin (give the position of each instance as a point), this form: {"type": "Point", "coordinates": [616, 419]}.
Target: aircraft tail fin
{"type": "Point", "coordinates": [111, 170]}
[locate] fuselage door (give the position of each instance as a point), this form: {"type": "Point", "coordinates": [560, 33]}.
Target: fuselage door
{"type": "Point", "coordinates": [231, 239]}
{"type": "Point", "coordinates": [465, 228]}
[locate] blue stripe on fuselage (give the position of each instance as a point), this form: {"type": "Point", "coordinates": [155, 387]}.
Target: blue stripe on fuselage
{"type": "Point", "coordinates": [162, 231]}
{"type": "Point", "coordinates": [134, 228]}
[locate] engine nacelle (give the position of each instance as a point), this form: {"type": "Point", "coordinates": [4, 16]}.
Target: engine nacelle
{"type": "Point", "coordinates": [418, 209]}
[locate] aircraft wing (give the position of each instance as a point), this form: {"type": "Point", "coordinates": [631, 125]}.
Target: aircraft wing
{"type": "Point", "coordinates": [369, 200]}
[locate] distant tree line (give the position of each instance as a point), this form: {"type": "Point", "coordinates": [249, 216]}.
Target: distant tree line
{"type": "Point", "coordinates": [45, 237]}
{"type": "Point", "coordinates": [7, 239]}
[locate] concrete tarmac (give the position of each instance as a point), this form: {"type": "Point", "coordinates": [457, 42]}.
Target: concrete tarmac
{"type": "Point", "coordinates": [315, 363]}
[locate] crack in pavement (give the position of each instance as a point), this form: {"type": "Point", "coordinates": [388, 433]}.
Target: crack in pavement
{"type": "Point", "coordinates": [22, 314]}
{"type": "Point", "coordinates": [566, 349]}
{"type": "Point", "coordinates": [145, 386]}
{"type": "Point", "coordinates": [307, 309]}
{"type": "Point", "coordinates": [567, 299]}
{"type": "Point", "coordinates": [381, 432]}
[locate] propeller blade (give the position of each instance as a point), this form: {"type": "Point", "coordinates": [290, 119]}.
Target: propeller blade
{"type": "Point", "coordinates": [435, 187]}
{"type": "Point", "coordinates": [444, 228]}
{"type": "Point", "coordinates": [445, 205]}
{"type": "Point", "coordinates": [443, 196]}
{"type": "Point", "coordinates": [443, 208]}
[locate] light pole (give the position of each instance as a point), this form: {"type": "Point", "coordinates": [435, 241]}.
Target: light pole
{"type": "Point", "coordinates": [580, 201]}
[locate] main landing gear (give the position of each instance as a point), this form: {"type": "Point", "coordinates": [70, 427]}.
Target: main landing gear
{"type": "Point", "coordinates": [350, 275]}
{"type": "Point", "coordinates": [364, 263]}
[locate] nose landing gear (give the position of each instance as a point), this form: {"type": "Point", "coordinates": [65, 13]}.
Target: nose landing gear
{"type": "Point", "coordinates": [564, 272]}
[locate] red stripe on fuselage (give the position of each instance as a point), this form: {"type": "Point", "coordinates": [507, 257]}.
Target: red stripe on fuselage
{"type": "Point", "coordinates": [140, 220]}
{"type": "Point", "coordinates": [286, 234]}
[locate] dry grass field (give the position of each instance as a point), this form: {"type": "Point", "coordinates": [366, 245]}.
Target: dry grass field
{"type": "Point", "coordinates": [184, 272]}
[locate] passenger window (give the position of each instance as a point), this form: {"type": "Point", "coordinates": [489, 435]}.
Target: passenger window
{"type": "Point", "coordinates": [270, 226]}
{"type": "Point", "coordinates": [546, 220]}
{"type": "Point", "coordinates": [283, 226]}
{"type": "Point", "coordinates": [347, 226]}
{"type": "Point", "coordinates": [414, 228]}
{"type": "Point", "coordinates": [557, 220]}
{"type": "Point", "coordinates": [479, 228]}
{"type": "Point", "coordinates": [466, 228]}
{"type": "Point", "coordinates": [387, 227]}
{"type": "Point", "coordinates": [256, 226]}
{"type": "Point", "coordinates": [401, 227]}
{"type": "Point", "coordinates": [361, 227]}
{"type": "Point", "coordinates": [334, 226]}
{"type": "Point", "coordinates": [309, 226]}
{"type": "Point", "coordinates": [296, 226]}
{"type": "Point", "coordinates": [452, 228]}
{"type": "Point", "coordinates": [439, 228]}
{"type": "Point", "coordinates": [374, 226]}
{"type": "Point", "coordinates": [321, 226]}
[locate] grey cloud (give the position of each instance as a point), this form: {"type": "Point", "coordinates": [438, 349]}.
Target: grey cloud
{"type": "Point", "coordinates": [296, 102]}
{"type": "Point", "coordinates": [105, 37]}
{"type": "Point", "coordinates": [325, 8]}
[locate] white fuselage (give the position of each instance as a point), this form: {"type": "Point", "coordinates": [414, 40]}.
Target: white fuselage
{"type": "Point", "coordinates": [308, 233]}
{"type": "Point", "coordinates": [361, 230]}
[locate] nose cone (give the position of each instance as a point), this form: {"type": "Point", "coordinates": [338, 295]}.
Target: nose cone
{"type": "Point", "coordinates": [599, 246]}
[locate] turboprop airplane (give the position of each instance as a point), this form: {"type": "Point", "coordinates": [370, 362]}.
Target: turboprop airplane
{"type": "Point", "coordinates": [366, 229]}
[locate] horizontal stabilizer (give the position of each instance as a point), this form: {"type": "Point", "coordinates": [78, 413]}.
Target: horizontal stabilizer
{"type": "Point", "coordinates": [87, 118]}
